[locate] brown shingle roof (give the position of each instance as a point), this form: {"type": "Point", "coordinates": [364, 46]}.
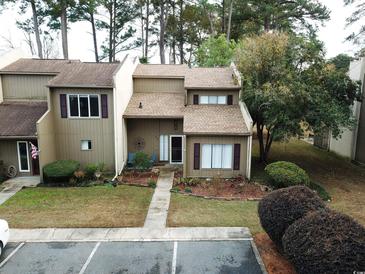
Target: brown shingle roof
{"type": "Point", "coordinates": [211, 78]}
{"type": "Point", "coordinates": [160, 71]}
{"type": "Point", "coordinates": [20, 118]}
{"type": "Point", "coordinates": [69, 73]}
{"type": "Point", "coordinates": [200, 78]}
{"type": "Point", "coordinates": [198, 119]}
{"type": "Point", "coordinates": [34, 66]}
{"type": "Point", "coordinates": [215, 120]}
{"type": "Point", "coordinates": [85, 75]}
{"type": "Point", "coordinates": [156, 105]}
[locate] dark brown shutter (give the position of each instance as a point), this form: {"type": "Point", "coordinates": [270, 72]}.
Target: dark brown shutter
{"type": "Point", "coordinates": [236, 156]}
{"type": "Point", "coordinates": [104, 105]}
{"type": "Point", "coordinates": [196, 99]}
{"type": "Point", "coordinates": [230, 100]}
{"type": "Point", "coordinates": [196, 156]}
{"type": "Point", "coordinates": [63, 105]}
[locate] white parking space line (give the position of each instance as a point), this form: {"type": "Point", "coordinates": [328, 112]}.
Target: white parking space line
{"type": "Point", "coordinates": [11, 255]}
{"type": "Point", "coordinates": [90, 257]}
{"type": "Point", "coordinates": [174, 258]}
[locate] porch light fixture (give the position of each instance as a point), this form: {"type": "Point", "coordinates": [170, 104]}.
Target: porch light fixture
{"type": "Point", "coordinates": [140, 105]}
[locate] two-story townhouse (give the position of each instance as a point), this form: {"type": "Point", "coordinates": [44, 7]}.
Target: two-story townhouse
{"type": "Point", "coordinates": [105, 112]}
{"type": "Point", "coordinates": [66, 108]}
{"type": "Point", "coordinates": [192, 117]}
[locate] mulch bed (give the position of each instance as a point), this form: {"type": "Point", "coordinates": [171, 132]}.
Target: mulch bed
{"type": "Point", "coordinates": [275, 263]}
{"type": "Point", "coordinates": [225, 189]}
{"type": "Point", "coordinates": [138, 178]}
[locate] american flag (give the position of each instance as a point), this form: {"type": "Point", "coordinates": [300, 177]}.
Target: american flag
{"type": "Point", "coordinates": [34, 151]}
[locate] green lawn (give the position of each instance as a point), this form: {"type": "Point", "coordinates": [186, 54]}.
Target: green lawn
{"type": "Point", "coordinates": [344, 181]}
{"type": "Point", "coordinates": [100, 206]}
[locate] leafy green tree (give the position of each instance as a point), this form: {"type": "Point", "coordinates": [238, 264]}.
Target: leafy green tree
{"type": "Point", "coordinates": [60, 12]}
{"type": "Point", "coordinates": [118, 25]}
{"type": "Point", "coordinates": [357, 16]}
{"type": "Point", "coordinates": [215, 52]}
{"type": "Point", "coordinates": [341, 61]}
{"type": "Point", "coordinates": [287, 84]}
{"type": "Point", "coordinates": [86, 10]}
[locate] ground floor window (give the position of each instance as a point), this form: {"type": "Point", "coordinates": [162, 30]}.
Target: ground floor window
{"type": "Point", "coordinates": [86, 145]}
{"type": "Point", "coordinates": [164, 147]}
{"type": "Point", "coordinates": [23, 156]}
{"type": "Point", "coordinates": [217, 156]}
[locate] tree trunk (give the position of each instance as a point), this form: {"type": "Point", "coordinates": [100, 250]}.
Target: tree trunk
{"type": "Point", "coordinates": [161, 42]}
{"type": "Point", "coordinates": [110, 53]}
{"type": "Point", "coordinates": [173, 45]}
{"type": "Point", "coordinates": [223, 17]}
{"type": "Point", "coordinates": [229, 21]}
{"type": "Point", "coordinates": [142, 32]}
{"type": "Point", "coordinates": [114, 29]}
{"type": "Point", "coordinates": [64, 31]}
{"type": "Point", "coordinates": [92, 20]}
{"type": "Point", "coordinates": [266, 23]}
{"type": "Point", "coordinates": [147, 28]}
{"type": "Point", "coordinates": [260, 136]}
{"type": "Point", "coordinates": [181, 33]}
{"type": "Point", "coordinates": [36, 29]}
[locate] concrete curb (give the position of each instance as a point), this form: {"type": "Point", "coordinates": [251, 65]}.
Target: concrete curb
{"type": "Point", "coordinates": [130, 234]}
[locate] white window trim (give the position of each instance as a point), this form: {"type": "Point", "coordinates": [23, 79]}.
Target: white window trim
{"type": "Point", "coordinates": [211, 161]}
{"type": "Point", "coordinates": [182, 149]}
{"type": "Point", "coordinates": [19, 162]}
{"type": "Point", "coordinates": [78, 98]}
{"type": "Point", "coordinates": [225, 102]}
{"type": "Point", "coordinates": [162, 157]}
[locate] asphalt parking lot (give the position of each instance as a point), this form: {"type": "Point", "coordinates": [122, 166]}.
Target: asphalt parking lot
{"type": "Point", "coordinates": [130, 257]}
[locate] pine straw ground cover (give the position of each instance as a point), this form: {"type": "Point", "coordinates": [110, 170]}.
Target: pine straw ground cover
{"type": "Point", "coordinates": [344, 181]}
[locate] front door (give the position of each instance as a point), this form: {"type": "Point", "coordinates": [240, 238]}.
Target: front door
{"type": "Point", "coordinates": [176, 149]}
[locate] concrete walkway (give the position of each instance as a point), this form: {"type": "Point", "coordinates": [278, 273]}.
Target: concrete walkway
{"type": "Point", "coordinates": [130, 234]}
{"type": "Point", "coordinates": [13, 185]}
{"type": "Point", "coordinates": [159, 207]}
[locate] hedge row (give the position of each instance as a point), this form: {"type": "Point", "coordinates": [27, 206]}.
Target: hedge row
{"type": "Point", "coordinates": [314, 238]}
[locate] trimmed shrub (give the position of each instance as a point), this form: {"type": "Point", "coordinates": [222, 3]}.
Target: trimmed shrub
{"type": "Point", "coordinates": [325, 242]}
{"type": "Point", "coordinates": [60, 171]}
{"type": "Point", "coordinates": [284, 174]}
{"type": "Point", "coordinates": [281, 208]}
{"type": "Point", "coordinates": [152, 183]}
{"type": "Point", "coordinates": [142, 161]}
{"type": "Point", "coordinates": [90, 170]}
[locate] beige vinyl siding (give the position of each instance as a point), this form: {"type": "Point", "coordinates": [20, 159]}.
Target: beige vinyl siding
{"type": "Point", "coordinates": [9, 155]}
{"type": "Point", "coordinates": [30, 87]}
{"type": "Point", "coordinates": [70, 131]}
{"type": "Point", "coordinates": [46, 140]}
{"type": "Point", "coordinates": [158, 85]}
{"type": "Point", "coordinates": [191, 94]}
{"type": "Point", "coordinates": [150, 130]}
{"type": "Point", "coordinates": [224, 173]}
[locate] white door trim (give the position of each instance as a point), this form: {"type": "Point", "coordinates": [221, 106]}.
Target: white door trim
{"type": "Point", "coordinates": [182, 149]}
{"type": "Point", "coordinates": [20, 165]}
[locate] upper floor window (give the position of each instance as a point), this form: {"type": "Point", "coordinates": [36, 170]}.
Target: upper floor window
{"type": "Point", "coordinates": [212, 100]}
{"type": "Point", "coordinates": [84, 105]}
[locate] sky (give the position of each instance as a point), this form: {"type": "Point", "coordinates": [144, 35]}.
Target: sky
{"type": "Point", "coordinates": [332, 33]}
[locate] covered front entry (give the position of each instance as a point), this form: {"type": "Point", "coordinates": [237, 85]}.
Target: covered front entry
{"type": "Point", "coordinates": [18, 153]}
{"type": "Point", "coordinates": [161, 139]}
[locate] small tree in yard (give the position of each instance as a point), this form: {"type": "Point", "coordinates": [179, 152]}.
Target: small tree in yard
{"type": "Point", "coordinates": [287, 84]}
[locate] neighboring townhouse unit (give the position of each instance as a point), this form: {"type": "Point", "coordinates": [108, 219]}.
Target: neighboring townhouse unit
{"type": "Point", "coordinates": [105, 112]}
{"type": "Point", "coordinates": [190, 116]}
{"type": "Point", "coordinates": [66, 108]}
{"type": "Point", "coordinates": [351, 144]}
